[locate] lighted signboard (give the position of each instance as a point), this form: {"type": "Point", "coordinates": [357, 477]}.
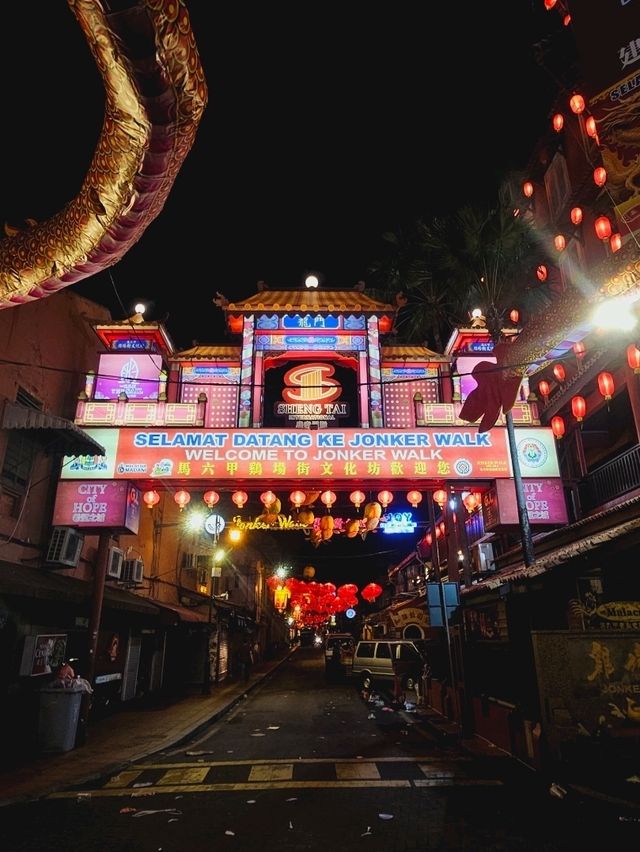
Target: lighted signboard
{"type": "Point", "coordinates": [544, 500]}
{"type": "Point", "coordinates": [97, 505]}
{"type": "Point", "coordinates": [346, 455]}
{"type": "Point", "coordinates": [306, 394]}
{"type": "Point", "coordinates": [135, 373]}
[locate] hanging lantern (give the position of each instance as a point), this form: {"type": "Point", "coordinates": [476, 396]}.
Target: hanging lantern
{"type": "Point", "coordinates": [559, 242]}
{"type": "Point", "coordinates": [239, 498]}
{"type": "Point", "coordinates": [442, 528]}
{"type": "Point", "coordinates": [440, 497]}
{"type": "Point", "coordinates": [579, 349]}
{"type": "Point", "coordinates": [471, 502]}
{"type": "Point", "coordinates": [602, 227]}
{"type": "Point", "coordinates": [606, 385]}
{"type": "Point", "coordinates": [514, 316]}
{"type": "Point", "coordinates": [590, 127]}
{"type": "Point", "coordinates": [549, 4]}
{"type": "Point", "coordinates": [557, 426]}
{"type": "Point", "coordinates": [578, 407]}
{"type": "Point", "coordinates": [615, 243]}
{"type": "Point", "coordinates": [414, 497]}
{"type": "Point", "coordinates": [576, 215]}
{"type": "Point", "coordinates": [280, 598]}
{"type": "Point", "coordinates": [527, 189]}
{"type": "Point", "coordinates": [211, 498]}
{"type": "Point", "coordinates": [577, 104]}
{"type": "Point", "coordinates": [559, 372]}
{"type": "Point", "coordinates": [558, 122]}
{"type": "Point", "coordinates": [542, 272]}
{"type": "Point", "coordinates": [600, 176]}
{"type": "Point", "coordinates": [268, 498]}
{"type": "Point", "coordinates": [328, 498]}
{"type": "Point", "coordinates": [384, 498]}
{"type": "Point", "coordinates": [370, 592]}
{"type": "Point", "coordinates": [151, 498]}
{"type": "Point", "coordinates": [428, 539]}
{"type": "Point", "coordinates": [544, 388]}
{"type": "Point", "coordinates": [182, 497]}
{"type": "Point", "coordinates": [297, 498]}
{"type": "Point", "coordinates": [357, 498]}
{"type": "Point", "coordinates": [633, 357]}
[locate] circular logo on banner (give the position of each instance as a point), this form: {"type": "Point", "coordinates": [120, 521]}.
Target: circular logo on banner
{"type": "Point", "coordinates": [214, 524]}
{"type": "Point", "coordinates": [462, 467]}
{"type": "Point", "coordinates": [532, 452]}
{"type": "Point", "coordinates": [350, 613]}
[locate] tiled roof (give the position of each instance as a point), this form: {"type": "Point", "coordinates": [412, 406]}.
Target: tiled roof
{"type": "Point", "coordinates": [309, 300]}
{"type": "Point", "coordinates": [208, 353]}
{"type": "Point", "coordinates": [415, 353]}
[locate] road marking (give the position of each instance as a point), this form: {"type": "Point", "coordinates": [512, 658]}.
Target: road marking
{"type": "Point", "coordinates": [195, 775]}
{"type": "Point", "coordinates": [308, 760]}
{"type": "Point", "coordinates": [226, 788]}
{"type": "Point", "coordinates": [272, 772]}
{"type": "Point", "coordinates": [457, 782]}
{"type": "Point", "coordinates": [361, 771]}
{"type": "Point", "coordinates": [124, 779]}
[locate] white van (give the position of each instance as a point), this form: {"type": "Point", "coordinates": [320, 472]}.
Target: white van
{"type": "Point", "coordinates": [386, 659]}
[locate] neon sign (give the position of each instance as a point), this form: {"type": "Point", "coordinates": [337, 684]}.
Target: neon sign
{"type": "Point", "coordinates": [398, 522]}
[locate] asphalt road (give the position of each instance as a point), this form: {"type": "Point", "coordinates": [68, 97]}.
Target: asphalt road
{"type": "Point", "coordinates": [306, 763]}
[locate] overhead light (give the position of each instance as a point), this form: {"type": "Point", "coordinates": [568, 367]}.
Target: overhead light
{"type": "Point", "coordinates": [311, 282]}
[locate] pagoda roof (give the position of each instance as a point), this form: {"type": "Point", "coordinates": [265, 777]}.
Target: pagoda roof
{"type": "Point", "coordinates": [324, 301]}
{"type": "Point", "coordinates": [412, 353]}
{"type": "Point", "coordinates": [208, 353]}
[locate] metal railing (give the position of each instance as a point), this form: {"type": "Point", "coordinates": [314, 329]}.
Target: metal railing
{"type": "Point", "coordinates": [611, 480]}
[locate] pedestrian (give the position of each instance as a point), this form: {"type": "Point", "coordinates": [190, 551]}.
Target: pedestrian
{"type": "Point", "coordinates": [246, 658]}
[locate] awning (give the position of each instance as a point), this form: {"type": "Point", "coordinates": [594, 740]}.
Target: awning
{"type": "Point", "coordinates": [42, 584]}
{"type": "Point", "coordinates": [174, 613]}
{"type": "Point", "coordinates": [56, 434]}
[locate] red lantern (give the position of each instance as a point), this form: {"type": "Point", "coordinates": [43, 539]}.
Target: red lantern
{"type": "Point", "coordinates": [239, 498]}
{"type": "Point", "coordinates": [602, 227]}
{"type": "Point", "coordinates": [414, 497]}
{"type": "Point", "coordinates": [182, 497]}
{"type": "Point", "coordinates": [558, 122]}
{"type": "Point", "coordinates": [527, 188]}
{"type": "Point", "coordinates": [633, 357]}
{"type": "Point", "coordinates": [328, 498]}
{"type": "Point", "coordinates": [606, 384]}
{"type": "Point", "coordinates": [615, 243]}
{"type": "Point", "coordinates": [357, 498]}
{"type": "Point", "coordinates": [514, 316]}
{"type": "Point", "coordinates": [297, 498]}
{"type": "Point", "coordinates": [544, 388]}
{"type": "Point", "coordinates": [370, 592]}
{"type": "Point", "coordinates": [600, 176]}
{"type": "Point", "coordinates": [590, 127]}
{"type": "Point", "coordinates": [211, 498]}
{"type": "Point", "coordinates": [428, 538]}
{"type": "Point", "coordinates": [579, 349]}
{"type": "Point", "coordinates": [151, 498]}
{"type": "Point", "coordinates": [268, 498]}
{"type": "Point", "coordinates": [541, 272]}
{"type": "Point", "coordinates": [549, 4]}
{"type": "Point", "coordinates": [384, 498]}
{"type": "Point", "coordinates": [559, 242]}
{"type": "Point", "coordinates": [577, 104]}
{"type": "Point", "coordinates": [557, 426]}
{"type": "Point", "coordinates": [576, 215]}
{"type": "Point", "coordinates": [471, 502]}
{"type": "Point", "coordinates": [559, 372]}
{"type": "Point", "coordinates": [440, 497]}
{"type": "Point", "coordinates": [578, 407]}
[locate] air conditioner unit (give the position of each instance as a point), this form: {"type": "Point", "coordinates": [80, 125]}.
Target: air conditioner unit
{"type": "Point", "coordinates": [482, 556]}
{"type": "Point", "coordinates": [132, 571]}
{"type": "Point", "coordinates": [65, 546]}
{"type": "Point", "coordinates": [114, 563]}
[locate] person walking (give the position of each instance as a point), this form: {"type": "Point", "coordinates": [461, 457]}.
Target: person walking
{"type": "Point", "coordinates": [246, 659]}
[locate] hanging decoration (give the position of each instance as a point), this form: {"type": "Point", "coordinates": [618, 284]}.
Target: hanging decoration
{"type": "Point", "coordinates": [633, 358]}
{"type": "Point", "coordinates": [239, 498]}
{"type": "Point", "coordinates": [370, 592]}
{"type": "Point", "coordinates": [576, 215]}
{"type": "Point", "coordinates": [151, 498]}
{"type": "Point", "coordinates": [211, 498]}
{"type": "Point", "coordinates": [385, 498]}
{"type": "Point", "coordinates": [414, 498]}
{"type": "Point", "coordinates": [514, 316]}
{"type": "Point", "coordinates": [297, 498]}
{"type": "Point", "coordinates": [606, 385]}
{"type": "Point", "coordinates": [579, 349]}
{"type": "Point", "coordinates": [578, 408]}
{"type": "Point", "coordinates": [544, 389]}
{"type": "Point", "coordinates": [182, 498]}
{"type": "Point", "coordinates": [357, 498]}
{"type": "Point", "coordinates": [527, 189]}
{"type": "Point", "coordinates": [602, 227]}
{"type": "Point", "coordinates": [268, 498]}
{"type": "Point", "coordinates": [559, 242]}
{"type": "Point", "coordinates": [542, 272]}
{"type": "Point", "coordinates": [558, 122]}
{"type": "Point", "coordinates": [440, 497]}
{"type": "Point", "coordinates": [590, 127]}
{"type": "Point", "coordinates": [577, 104]}
{"type": "Point", "coordinates": [328, 498]}
{"type": "Point", "coordinates": [559, 372]}
{"type": "Point", "coordinates": [471, 502]}
{"type": "Point", "coordinates": [600, 176]}
{"type": "Point", "coordinates": [615, 242]}
{"type": "Point", "coordinates": [557, 426]}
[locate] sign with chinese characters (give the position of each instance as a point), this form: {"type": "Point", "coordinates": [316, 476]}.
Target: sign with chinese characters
{"type": "Point", "coordinates": [409, 615]}
{"type": "Point", "coordinates": [137, 374]}
{"type": "Point", "coordinates": [48, 652]}
{"type": "Point", "coordinates": [260, 455]}
{"type": "Point", "coordinates": [96, 505]}
{"type": "Point", "coordinates": [544, 500]}
{"type": "Point", "coordinates": [310, 395]}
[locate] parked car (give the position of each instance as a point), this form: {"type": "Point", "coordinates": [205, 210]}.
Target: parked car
{"type": "Point", "coordinates": [384, 660]}
{"type": "Point", "coordinates": [339, 645]}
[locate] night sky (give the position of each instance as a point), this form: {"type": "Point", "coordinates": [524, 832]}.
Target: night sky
{"type": "Point", "coordinates": [326, 126]}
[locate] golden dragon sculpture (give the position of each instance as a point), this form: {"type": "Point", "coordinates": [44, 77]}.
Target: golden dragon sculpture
{"type": "Point", "coordinates": [155, 96]}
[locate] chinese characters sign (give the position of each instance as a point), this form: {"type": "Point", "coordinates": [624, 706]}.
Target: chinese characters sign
{"type": "Point", "coordinates": [97, 505]}
{"type": "Point", "coordinates": [544, 499]}
{"type": "Point", "coordinates": [365, 454]}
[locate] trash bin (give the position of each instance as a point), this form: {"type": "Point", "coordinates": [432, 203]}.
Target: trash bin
{"type": "Point", "coordinates": [58, 716]}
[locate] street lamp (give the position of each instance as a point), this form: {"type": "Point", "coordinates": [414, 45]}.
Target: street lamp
{"type": "Point", "coordinates": [216, 570]}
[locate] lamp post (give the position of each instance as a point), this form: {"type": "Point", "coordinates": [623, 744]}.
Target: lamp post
{"type": "Point", "coordinates": [523, 516]}
{"type": "Point", "coordinates": [217, 558]}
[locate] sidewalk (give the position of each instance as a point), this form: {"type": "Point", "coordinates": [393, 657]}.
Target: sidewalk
{"type": "Point", "coordinates": [128, 735]}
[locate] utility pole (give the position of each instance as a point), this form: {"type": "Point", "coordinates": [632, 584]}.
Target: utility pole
{"type": "Point", "coordinates": [523, 515]}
